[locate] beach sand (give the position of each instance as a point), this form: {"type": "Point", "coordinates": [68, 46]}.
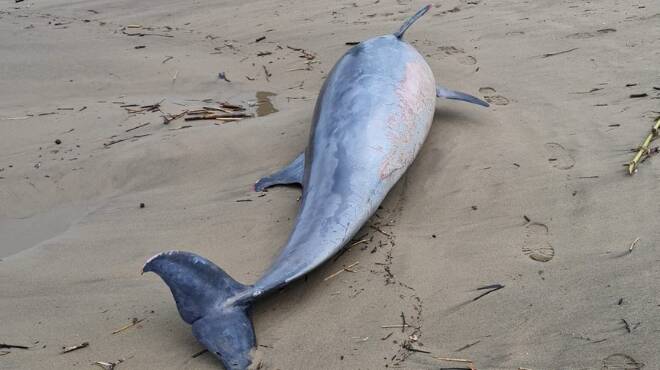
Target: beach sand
{"type": "Point", "coordinates": [530, 194]}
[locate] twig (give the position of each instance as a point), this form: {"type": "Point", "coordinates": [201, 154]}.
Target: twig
{"type": "Point", "coordinates": [18, 118]}
{"type": "Point", "coordinates": [231, 106]}
{"type": "Point", "coordinates": [413, 349]}
{"type": "Point", "coordinates": [140, 34]}
{"type": "Point", "coordinates": [74, 348]}
{"type": "Point", "coordinates": [167, 59]}
{"type": "Point", "coordinates": [4, 345]}
{"type": "Point", "coordinates": [644, 148]}
{"type": "Point", "coordinates": [167, 118]}
{"type": "Point", "coordinates": [113, 142]}
{"type": "Point", "coordinates": [627, 326]}
{"type": "Point", "coordinates": [134, 322]}
{"type": "Point", "coordinates": [403, 322]}
{"type": "Point", "coordinates": [347, 268]}
{"type": "Point", "coordinates": [493, 288]}
{"type": "Point", "coordinates": [137, 127]}
{"type": "Point", "coordinates": [268, 74]}
{"type": "Point", "coordinates": [557, 53]}
{"type": "Point", "coordinates": [468, 346]}
{"type": "Point", "coordinates": [380, 231]}
{"type": "Point", "coordinates": [632, 245]}
{"type": "Point", "coordinates": [105, 365]}
{"type": "Point", "coordinates": [469, 363]}
{"type": "Point", "coordinates": [359, 242]}
{"type": "Point", "coordinates": [218, 116]}
{"type": "Point", "coordinates": [200, 353]}
{"type": "Point", "coordinates": [395, 326]}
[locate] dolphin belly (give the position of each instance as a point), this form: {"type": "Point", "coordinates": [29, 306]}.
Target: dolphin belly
{"type": "Point", "coordinates": [371, 118]}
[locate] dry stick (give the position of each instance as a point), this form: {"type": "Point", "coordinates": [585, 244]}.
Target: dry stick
{"type": "Point", "coordinates": [379, 230]}
{"type": "Point", "coordinates": [133, 323]}
{"type": "Point", "coordinates": [340, 271]}
{"type": "Point", "coordinates": [268, 74]}
{"type": "Point", "coordinates": [632, 245]}
{"type": "Point", "coordinates": [394, 326]}
{"type": "Point", "coordinates": [627, 326]}
{"type": "Point", "coordinates": [137, 127]}
{"type": "Point", "coordinates": [218, 116]}
{"type": "Point", "coordinates": [644, 148]}
{"type": "Point", "coordinates": [74, 348]}
{"type": "Point", "coordinates": [124, 139]}
{"type": "Point", "coordinates": [468, 346]}
{"type": "Point", "coordinates": [493, 288]}
{"type": "Point", "coordinates": [231, 106]}
{"type": "Point", "coordinates": [413, 349]}
{"type": "Point", "coordinates": [17, 118]}
{"type": "Point", "coordinates": [557, 53]}
{"type": "Point", "coordinates": [144, 34]}
{"type": "Point", "coordinates": [200, 353]}
{"type": "Point", "coordinates": [105, 365]}
{"type": "Point", "coordinates": [226, 110]}
{"type": "Point", "coordinates": [169, 118]}
{"type": "Point", "coordinates": [4, 345]}
{"type": "Point", "coordinates": [470, 363]}
{"type": "Point", "coordinates": [359, 242]}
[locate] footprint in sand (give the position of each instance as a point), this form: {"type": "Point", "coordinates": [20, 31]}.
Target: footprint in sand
{"type": "Point", "coordinates": [537, 246]}
{"type": "Point", "coordinates": [491, 97]}
{"type": "Point", "coordinates": [559, 157]}
{"type": "Point", "coordinates": [621, 361]}
{"type": "Point", "coordinates": [468, 60]}
{"type": "Point", "coordinates": [580, 35]}
{"type": "Point", "coordinates": [451, 50]}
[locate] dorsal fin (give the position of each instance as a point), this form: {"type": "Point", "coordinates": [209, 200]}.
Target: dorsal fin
{"type": "Point", "coordinates": [410, 21]}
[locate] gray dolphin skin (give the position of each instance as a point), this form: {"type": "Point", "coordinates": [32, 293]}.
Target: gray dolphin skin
{"type": "Point", "coordinates": [371, 118]}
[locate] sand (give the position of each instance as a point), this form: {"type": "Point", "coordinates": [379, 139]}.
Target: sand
{"type": "Point", "coordinates": [530, 193]}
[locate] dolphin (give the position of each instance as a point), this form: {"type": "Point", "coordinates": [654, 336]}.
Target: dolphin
{"type": "Point", "coordinates": [372, 115]}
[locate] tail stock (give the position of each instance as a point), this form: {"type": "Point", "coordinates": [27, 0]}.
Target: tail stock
{"type": "Point", "coordinates": [205, 297]}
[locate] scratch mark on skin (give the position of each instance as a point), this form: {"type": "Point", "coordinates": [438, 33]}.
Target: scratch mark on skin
{"type": "Point", "coordinates": [406, 124]}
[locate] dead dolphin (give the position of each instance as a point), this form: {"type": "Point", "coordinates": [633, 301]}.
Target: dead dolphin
{"type": "Point", "coordinates": [371, 118]}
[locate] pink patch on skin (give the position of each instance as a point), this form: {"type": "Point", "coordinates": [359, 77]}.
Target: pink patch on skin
{"type": "Point", "coordinates": [407, 125]}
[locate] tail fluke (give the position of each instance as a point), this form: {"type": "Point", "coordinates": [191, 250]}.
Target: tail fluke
{"type": "Point", "coordinates": [202, 291]}
{"type": "Point", "coordinates": [410, 21]}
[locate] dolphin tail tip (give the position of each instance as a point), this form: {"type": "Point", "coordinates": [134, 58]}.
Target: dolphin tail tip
{"type": "Point", "coordinates": [411, 20]}
{"type": "Point", "coordinates": [202, 292]}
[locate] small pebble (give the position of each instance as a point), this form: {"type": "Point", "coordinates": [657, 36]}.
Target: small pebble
{"type": "Point", "coordinates": [58, 141]}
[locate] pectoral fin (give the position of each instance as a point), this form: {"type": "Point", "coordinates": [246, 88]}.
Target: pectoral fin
{"type": "Point", "coordinates": [291, 174]}
{"type": "Point", "coordinates": [442, 92]}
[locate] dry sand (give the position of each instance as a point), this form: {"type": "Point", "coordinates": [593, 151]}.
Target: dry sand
{"type": "Point", "coordinates": [73, 238]}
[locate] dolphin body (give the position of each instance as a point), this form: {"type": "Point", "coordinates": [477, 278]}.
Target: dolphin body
{"type": "Point", "coordinates": [371, 118]}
